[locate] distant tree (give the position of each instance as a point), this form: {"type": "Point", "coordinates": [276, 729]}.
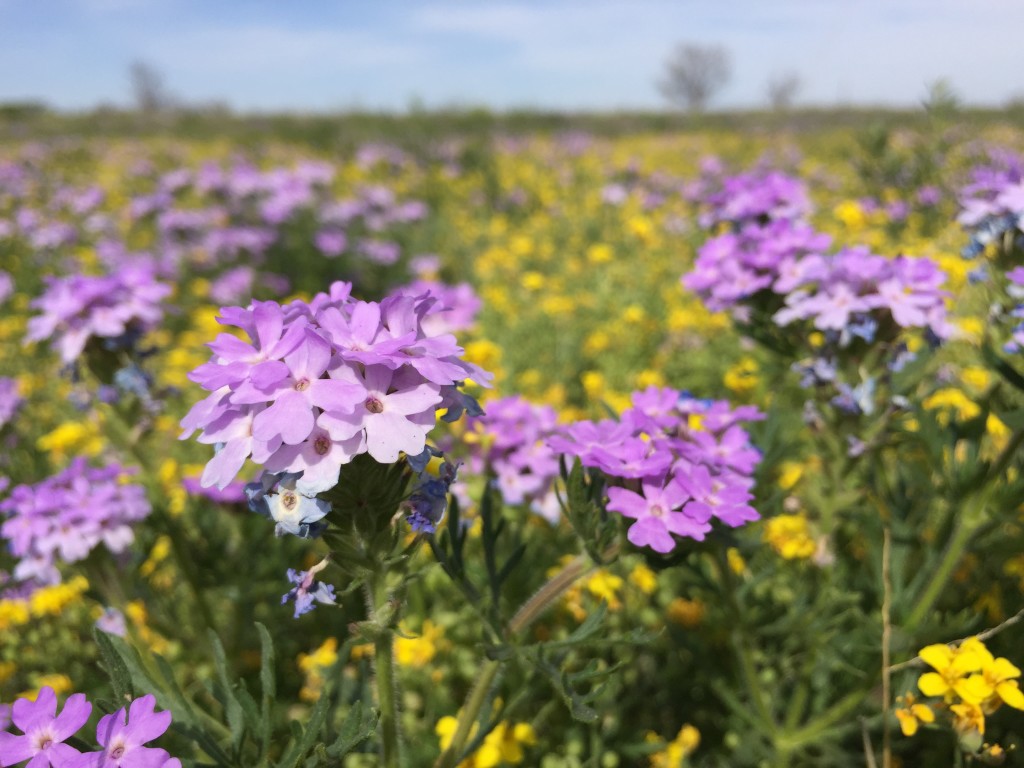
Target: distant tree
{"type": "Point", "coordinates": [148, 88]}
{"type": "Point", "coordinates": [782, 90]}
{"type": "Point", "coordinates": [942, 99]}
{"type": "Point", "coordinates": [694, 74]}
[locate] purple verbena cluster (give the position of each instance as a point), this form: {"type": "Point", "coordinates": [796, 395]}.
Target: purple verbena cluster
{"type": "Point", "coordinates": [10, 400]}
{"type": "Point", "coordinates": [512, 439]}
{"type": "Point", "coordinates": [992, 203]}
{"type": "Point", "coordinates": [735, 266]}
{"type": "Point", "coordinates": [755, 197]}
{"type": "Point", "coordinates": [122, 735]}
{"type": "Point", "coordinates": [116, 308]}
{"type": "Point", "coordinates": [316, 384]}
{"type": "Point", "coordinates": [64, 517]}
{"type": "Point", "coordinates": [457, 305]}
{"type": "Point", "coordinates": [675, 462]}
{"type": "Point", "coordinates": [857, 293]}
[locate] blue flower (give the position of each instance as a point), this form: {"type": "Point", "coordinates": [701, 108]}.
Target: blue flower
{"type": "Point", "coordinates": [428, 501]}
{"type": "Point", "coordinates": [307, 591]}
{"type": "Point", "coordinates": [276, 497]}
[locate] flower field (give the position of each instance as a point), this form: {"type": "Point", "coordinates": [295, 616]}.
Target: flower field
{"type": "Point", "coordinates": [554, 450]}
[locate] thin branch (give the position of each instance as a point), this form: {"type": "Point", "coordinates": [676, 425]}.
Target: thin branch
{"type": "Point", "coordinates": [983, 635]}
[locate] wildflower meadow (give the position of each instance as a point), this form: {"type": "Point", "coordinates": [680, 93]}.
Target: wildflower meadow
{"type": "Point", "coordinates": [540, 447]}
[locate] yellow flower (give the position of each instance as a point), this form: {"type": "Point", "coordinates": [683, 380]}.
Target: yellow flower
{"type": "Point", "coordinates": [51, 601]}
{"type": "Point", "coordinates": [686, 613]}
{"type": "Point", "coordinates": [790, 473]}
{"type": "Point", "coordinates": [976, 378]}
{"type": "Point", "coordinates": [599, 253]}
{"type": "Point", "coordinates": [949, 399]}
{"type": "Point", "coordinates": [313, 665]}
{"type": "Point", "coordinates": [418, 651]}
{"type": "Point", "coordinates": [61, 684]}
{"type": "Point", "coordinates": [324, 656]}
{"type": "Point", "coordinates": [72, 437]}
{"type": "Point", "coordinates": [850, 214]}
{"type": "Point", "coordinates": [911, 714]}
{"type": "Point", "coordinates": [995, 682]}
{"type": "Point", "coordinates": [790, 536]}
{"type": "Point", "coordinates": [968, 717]}
{"type": "Point", "coordinates": [605, 586]}
{"type": "Point", "coordinates": [504, 744]}
{"type": "Point", "coordinates": [742, 377]}
{"type": "Point", "coordinates": [644, 579]}
{"type": "Point", "coordinates": [736, 562]}
{"type": "Point", "coordinates": [951, 665]}
{"type": "Point", "coordinates": [13, 613]}
{"type": "Point", "coordinates": [533, 281]}
{"type": "Point", "coordinates": [677, 750]}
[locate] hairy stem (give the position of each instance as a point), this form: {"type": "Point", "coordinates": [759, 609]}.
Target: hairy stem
{"type": "Point", "coordinates": [384, 674]}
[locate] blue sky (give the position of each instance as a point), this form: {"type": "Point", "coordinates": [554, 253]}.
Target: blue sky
{"type": "Point", "coordinates": [574, 54]}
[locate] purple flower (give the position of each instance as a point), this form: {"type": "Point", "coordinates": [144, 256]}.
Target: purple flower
{"type": "Point", "coordinates": [64, 517]}
{"type": "Point", "coordinates": [276, 496]}
{"type": "Point", "coordinates": [658, 515]}
{"type": "Point", "coordinates": [10, 400]}
{"type": "Point", "coordinates": [307, 592]}
{"type": "Point", "coordinates": [112, 622]}
{"type": "Point", "coordinates": [682, 460]}
{"type": "Point", "coordinates": [44, 731]}
{"type": "Point", "coordinates": [78, 308]}
{"type": "Point", "coordinates": [322, 382]}
{"type": "Point", "coordinates": [122, 738]}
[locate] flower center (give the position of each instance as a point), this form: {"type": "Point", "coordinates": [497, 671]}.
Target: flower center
{"type": "Point", "coordinates": [302, 385]}
{"type": "Point", "coordinates": [289, 500]}
{"type": "Point", "coordinates": [373, 405]}
{"type": "Point", "coordinates": [117, 752]}
{"type": "Point", "coordinates": [322, 445]}
{"type": "Point", "coordinates": [43, 739]}
{"type": "Point", "coordinates": [657, 511]}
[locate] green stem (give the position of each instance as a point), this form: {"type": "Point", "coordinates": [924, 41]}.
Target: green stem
{"type": "Point", "coordinates": [937, 584]}
{"type": "Point", "coordinates": [384, 672]}
{"type": "Point", "coordinates": [528, 613]}
{"type": "Point", "coordinates": [743, 651]}
{"type": "Point", "coordinates": [812, 730]}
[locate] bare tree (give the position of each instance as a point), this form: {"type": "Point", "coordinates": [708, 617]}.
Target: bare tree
{"type": "Point", "coordinates": [782, 90]}
{"type": "Point", "coordinates": [694, 74]}
{"type": "Point", "coordinates": [150, 93]}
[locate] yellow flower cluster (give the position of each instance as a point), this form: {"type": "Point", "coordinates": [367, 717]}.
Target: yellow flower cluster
{"type": "Point", "coordinates": [418, 650]}
{"type": "Point", "coordinates": [971, 682]}
{"type": "Point", "coordinates": [502, 746]}
{"type": "Point", "coordinates": [314, 665]}
{"type": "Point", "coordinates": [790, 536]}
{"type": "Point", "coordinates": [676, 751]}
{"type": "Point", "coordinates": [45, 601]}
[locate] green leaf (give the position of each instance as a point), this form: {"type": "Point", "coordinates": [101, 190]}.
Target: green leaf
{"type": "Point", "coordinates": [114, 666]}
{"type": "Point", "coordinates": [304, 739]}
{"type": "Point", "coordinates": [1007, 371]}
{"type": "Point", "coordinates": [268, 685]}
{"type": "Point", "coordinates": [360, 723]}
{"type": "Point", "coordinates": [233, 708]}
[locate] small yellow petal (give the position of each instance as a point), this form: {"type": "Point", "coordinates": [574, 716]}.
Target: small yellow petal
{"type": "Point", "coordinates": [1004, 669]}
{"type": "Point", "coordinates": [938, 656]}
{"type": "Point", "coordinates": [932, 684]}
{"type": "Point", "coordinates": [923, 713]}
{"type": "Point", "coordinates": [966, 662]}
{"type": "Point", "coordinates": [1010, 693]}
{"type": "Point", "coordinates": [908, 723]}
{"type": "Point", "coordinates": [974, 689]}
